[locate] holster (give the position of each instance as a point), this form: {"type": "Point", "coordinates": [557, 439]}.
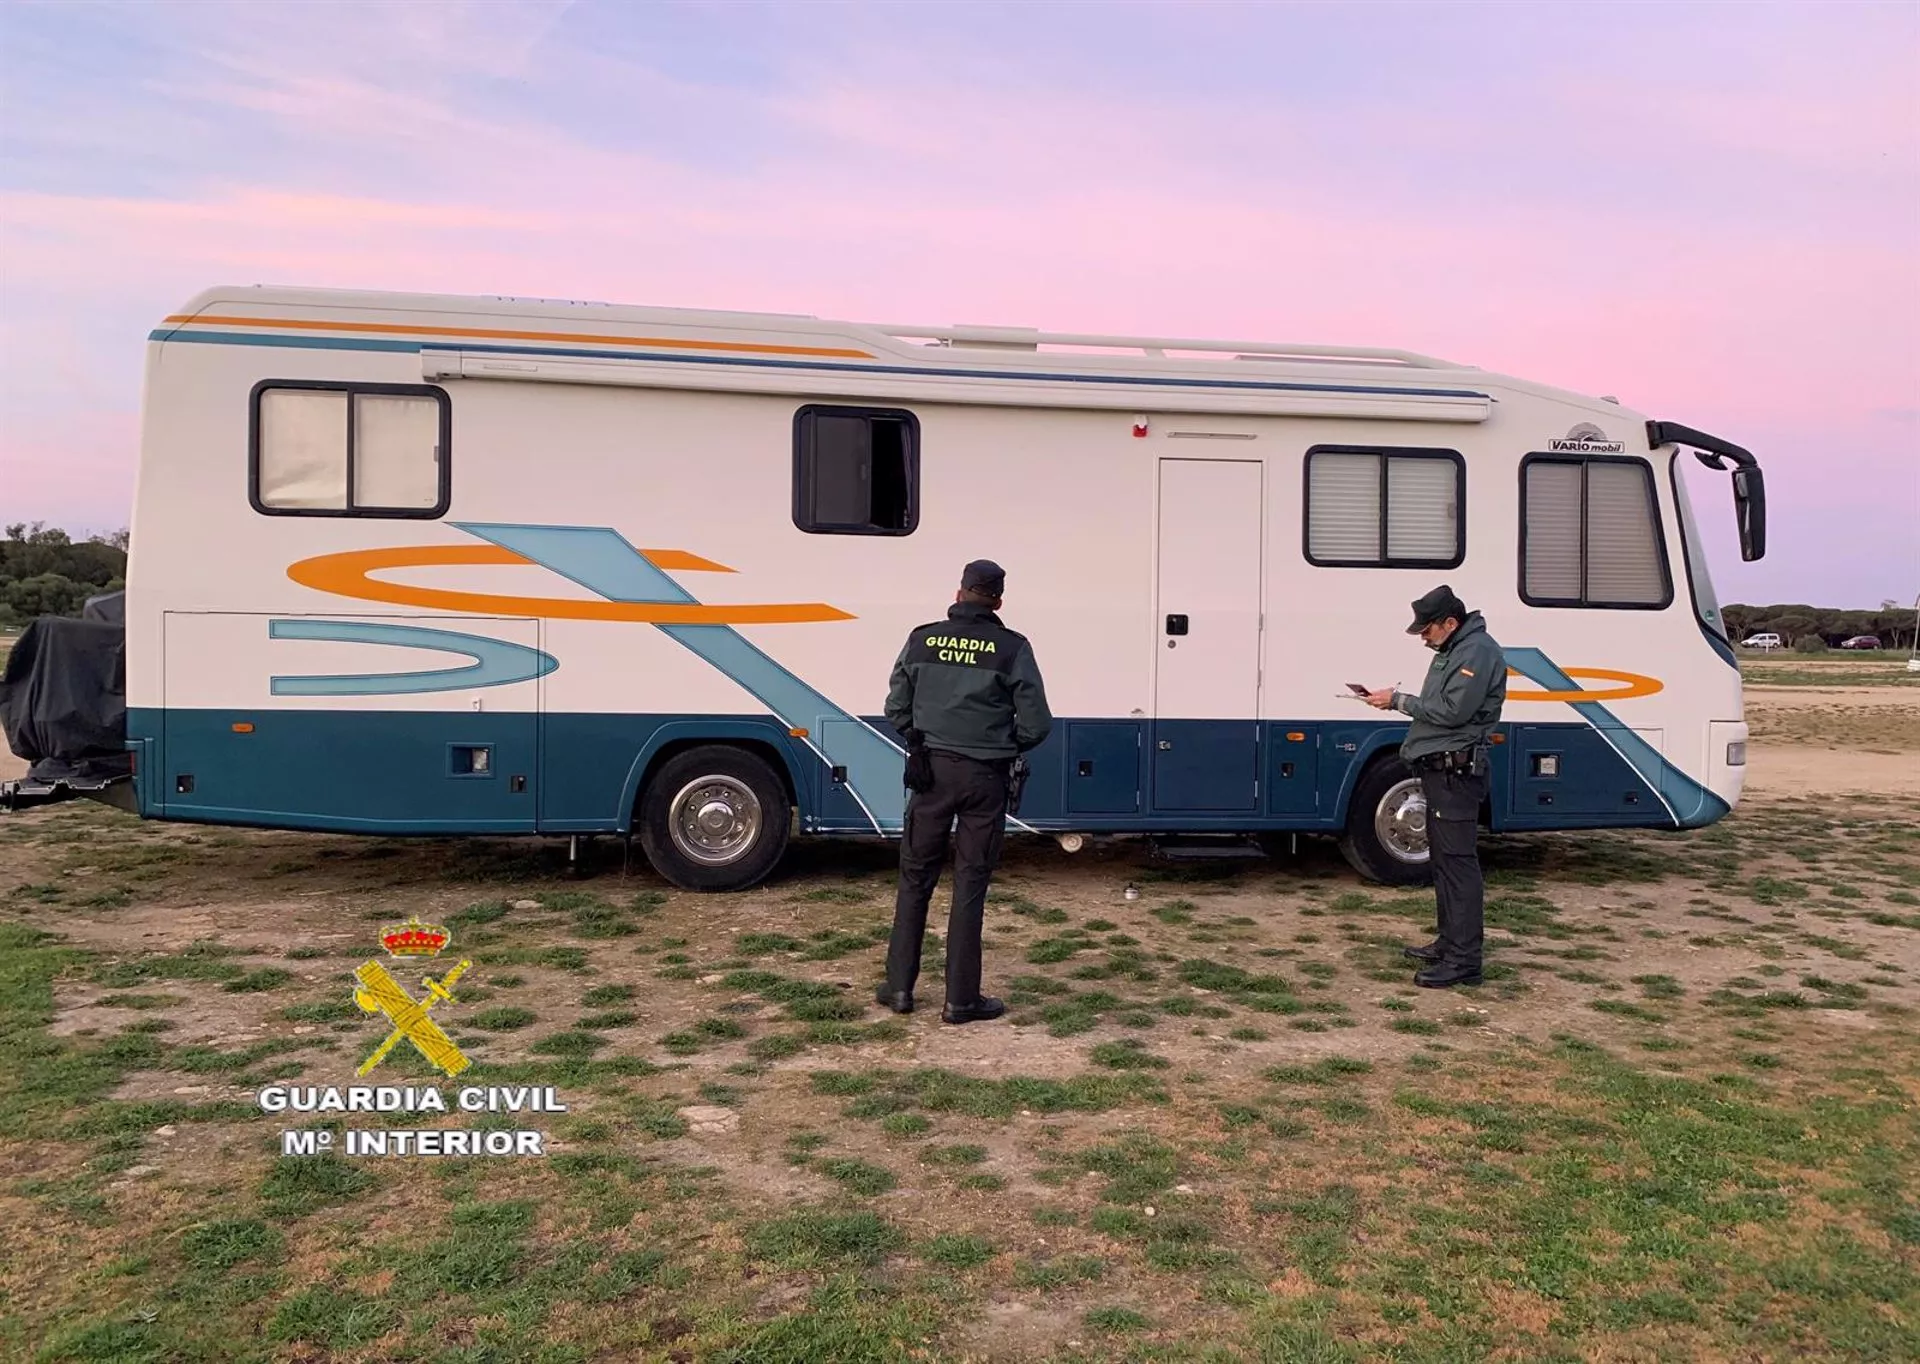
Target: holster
{"type": "Point", "coordinates": [1474, 761]}
{"type": "Point", "coordinates": [1016, 783]}
{"type": "Point", "coordinates": [918, 773]}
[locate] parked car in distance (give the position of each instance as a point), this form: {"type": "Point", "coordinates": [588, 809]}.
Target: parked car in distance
{"type": "Point", "coordinates": [1861, 642]}
{"type": "Point", "coordinates": [1768, 640]}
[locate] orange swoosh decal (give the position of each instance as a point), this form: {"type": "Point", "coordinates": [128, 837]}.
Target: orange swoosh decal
{"type": "Point", "coordinates": [1631, 685]}
{"type": "Point", "coordinates": [500, 334]}
{"type": "Point", "coordinates": [346, 575]}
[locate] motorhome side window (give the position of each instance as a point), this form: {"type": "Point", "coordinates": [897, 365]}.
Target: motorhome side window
{"type": "Point", "coordinates": [856, 471]}
{"type": "Point", "coordinates": [350, 449]}
{"type": "Point", "coordinates": [1590, 534]}
{"type": "Point", "coordinates": [1375, 507]}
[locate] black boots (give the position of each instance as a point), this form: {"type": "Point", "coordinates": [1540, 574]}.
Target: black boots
{"type": "Point", "coordinates": [984, 1008]}
{"type": "Point", "coordinates": [979, 1011]}
{"type": "Point", "coordinates": [1444, 975]}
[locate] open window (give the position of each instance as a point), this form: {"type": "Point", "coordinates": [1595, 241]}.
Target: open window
{"type": "Point", "coordinates": [1373, 507]}
{"type": "Point", "coordinates": [337, 449]}
{"type": "Point", "coordinates": [856, 470]}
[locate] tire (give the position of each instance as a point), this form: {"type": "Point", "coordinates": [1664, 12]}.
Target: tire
{"type": "Point", "coordinates": [1386, 835]}
{"type": "Point", "coordinates": [746, 818]}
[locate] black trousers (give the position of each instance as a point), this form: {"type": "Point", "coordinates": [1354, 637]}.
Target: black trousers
{"type": "Point", "coordinates": [1453, 831]}
{"type": "Point", "coordinates": [970, 797]}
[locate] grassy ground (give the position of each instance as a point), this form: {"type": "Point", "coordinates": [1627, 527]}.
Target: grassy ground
{"type": "Point", "coordinates": [1677, 1123]}
{"type": "Point", "coordinates": [1886, 668]}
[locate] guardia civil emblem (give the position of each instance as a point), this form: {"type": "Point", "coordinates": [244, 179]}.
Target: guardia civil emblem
{"type": "Point", "coordinates": [380, 993]}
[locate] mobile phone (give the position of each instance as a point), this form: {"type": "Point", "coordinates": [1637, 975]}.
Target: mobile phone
{"type": "Point", "coordinates": [1356, 689]}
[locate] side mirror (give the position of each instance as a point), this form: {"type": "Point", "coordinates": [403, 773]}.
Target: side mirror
{"type": "Point", "coordinates": [1750, 511]}
{"type": "Point", "coordinates": [1749, 488]}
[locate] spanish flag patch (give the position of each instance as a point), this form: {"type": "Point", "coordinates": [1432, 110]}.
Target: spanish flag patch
{"type": "Point", "coordinates": [1466, 672]}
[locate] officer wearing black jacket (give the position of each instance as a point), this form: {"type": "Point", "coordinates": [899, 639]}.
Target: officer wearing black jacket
{"type": "Point", "coordinates": [1446, 747]}
{"type": "Point", "coordinates": [967, 698]}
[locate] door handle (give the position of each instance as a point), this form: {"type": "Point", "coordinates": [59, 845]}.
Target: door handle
{"type": "Point", "coordinates": [1166, 745]}
{"type": "Point", "coordinates": [1176, 625]}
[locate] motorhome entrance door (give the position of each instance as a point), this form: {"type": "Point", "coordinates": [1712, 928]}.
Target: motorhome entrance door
{"type": "Point", "coordinates": [1207, 624]}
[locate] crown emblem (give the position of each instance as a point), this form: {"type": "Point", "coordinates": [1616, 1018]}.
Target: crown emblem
{"type": "Point", "coordinates": [414, 939]}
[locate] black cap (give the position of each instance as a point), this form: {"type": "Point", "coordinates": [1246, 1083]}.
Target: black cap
{"type": "Point", "coordinates": [1435, 607]}
{"type": "Point", "coordinates": [984, 575]}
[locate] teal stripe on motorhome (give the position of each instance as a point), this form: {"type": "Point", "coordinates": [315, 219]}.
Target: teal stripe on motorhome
{"type": "Point", "coordinates": [281, 341]}
{"type": "Point", "coordinates": [873, 763]}
{"type": "Point", "coordinates": [394, 772]}
{"type": "Point", "coordinates": [597, 558]}
{"type": "Point", "coordinates": [305, 342]}
{"type": "Point", "coordinates": [1691, 804]}
{"type": "Point", "coordinates": [496, 662]}
{"type": "Point", "coordinates": [601, 560]}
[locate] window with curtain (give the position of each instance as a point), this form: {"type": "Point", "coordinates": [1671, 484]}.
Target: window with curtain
{"type": "Point", "coordinates": [1590, 534]}
{"type": "Point", "coordinates": [1385, 508]}
{"type": "Point", "coordinates": [350, 450]}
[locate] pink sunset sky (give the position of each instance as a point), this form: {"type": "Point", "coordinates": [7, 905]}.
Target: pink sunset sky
{"type": "Point", "coordinates": [1710, 211]}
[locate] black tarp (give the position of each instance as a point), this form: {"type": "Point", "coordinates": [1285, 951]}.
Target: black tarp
{"type": "Point", "coordinates": [63, 699]}
{"type": "Point", "coordinates": [110, 607]}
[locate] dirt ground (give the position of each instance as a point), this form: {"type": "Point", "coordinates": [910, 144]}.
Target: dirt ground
{"type": "Point", "coordinates": [1830, 740]}
{"type": "Point", "coordinates": [760, 1078]}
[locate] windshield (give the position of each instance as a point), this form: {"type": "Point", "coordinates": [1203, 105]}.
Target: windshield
{"type": "Point", "coordinates": [1705, 604]}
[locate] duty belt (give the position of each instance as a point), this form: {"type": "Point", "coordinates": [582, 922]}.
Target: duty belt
{"type": "Point", "coordinates": [1457, 760]}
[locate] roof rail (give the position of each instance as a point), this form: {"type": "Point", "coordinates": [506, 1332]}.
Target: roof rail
{"type": "Point", "coordinates": [1031, 339]}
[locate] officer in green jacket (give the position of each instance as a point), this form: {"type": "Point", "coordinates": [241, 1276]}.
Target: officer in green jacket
{"type": "Point", "coordinates": [1446, 746]}
{"type": "Point", "coordinates": [967, 698]}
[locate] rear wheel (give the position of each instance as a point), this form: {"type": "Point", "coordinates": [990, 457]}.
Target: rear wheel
{"type": "Point", "coordinates": [714, 818]}
{"type": "Point", "coordinates": [1386, 834]}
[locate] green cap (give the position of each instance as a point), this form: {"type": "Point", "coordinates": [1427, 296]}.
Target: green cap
{"type": "Point", "coordinates": [984, 575]}
{"type": "Point", "coordinates": [1435, 607]}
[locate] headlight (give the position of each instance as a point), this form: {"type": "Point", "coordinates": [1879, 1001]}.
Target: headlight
{"type": "Point", "coordinates": [1737, 754]}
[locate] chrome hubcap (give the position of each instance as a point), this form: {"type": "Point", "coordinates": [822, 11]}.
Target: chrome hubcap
{"type": "Point", "coordinates": [1400, 821]}
{"type": "Point", "coordinates": [716, 820]}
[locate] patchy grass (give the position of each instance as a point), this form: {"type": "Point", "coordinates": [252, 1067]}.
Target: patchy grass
{"type": "Point", "coordinates": [957, 1251]}
{"type": "Point", "coordinates": [1126, 1054]}
{"type": "Point", "coordinates": [807, 1239]}
{"type": "Point", "coordinates": [858, 1175]}
{"type": "Point", "coordinates": [1676, 1123]}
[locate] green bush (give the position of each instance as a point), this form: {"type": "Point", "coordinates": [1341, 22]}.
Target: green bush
{"type": "Point", "coordinates": [45, 572]}
{"type": "Point", "coordinates": [1809, 644]}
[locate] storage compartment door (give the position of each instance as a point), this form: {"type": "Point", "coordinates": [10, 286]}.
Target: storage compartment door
{"type": "Point", "coordinates": [364, 724]}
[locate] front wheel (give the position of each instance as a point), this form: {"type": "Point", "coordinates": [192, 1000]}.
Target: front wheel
{"type": "Point", "coordinates": [1386, 834]}
{"type": "Point", "coordinates": [714, 818]}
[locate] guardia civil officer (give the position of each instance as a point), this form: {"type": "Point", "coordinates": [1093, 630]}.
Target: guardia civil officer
{"type": "Point", "coordinates": [966, 696]}
{"type": "Point", "coordinates": [1446, 745]}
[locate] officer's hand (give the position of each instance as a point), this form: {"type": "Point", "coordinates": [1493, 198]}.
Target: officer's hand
{"type": "Point", "coordinates": [1382, 699]}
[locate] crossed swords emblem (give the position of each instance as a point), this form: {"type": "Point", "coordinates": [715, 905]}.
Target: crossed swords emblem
{"type": "Point", "coordinates": [380, 993]}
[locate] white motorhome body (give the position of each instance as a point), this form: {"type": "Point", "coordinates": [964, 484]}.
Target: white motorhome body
{"type": "Point", "coordinates": [412, 564]}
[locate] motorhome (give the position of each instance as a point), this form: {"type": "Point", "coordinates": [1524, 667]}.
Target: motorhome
{"type": "Point", "coordinates": [431, 565]}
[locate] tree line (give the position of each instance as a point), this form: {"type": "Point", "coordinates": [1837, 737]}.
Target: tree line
{"type": "Point", "coordinates": [1811, 628]}
{"type": "Point", "coordinates": [45, 572]}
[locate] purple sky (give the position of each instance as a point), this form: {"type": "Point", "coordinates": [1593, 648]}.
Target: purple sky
{"type": "Point", "coordinates": [1710, 211]}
